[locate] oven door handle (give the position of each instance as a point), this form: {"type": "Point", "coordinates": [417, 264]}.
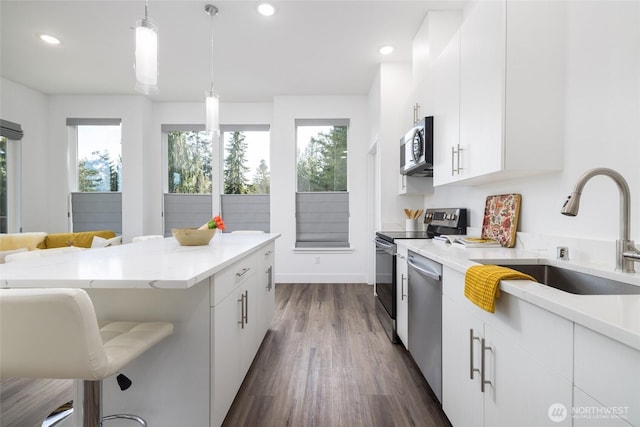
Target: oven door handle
{"type": "Point", "coordinates": [427, 273]}
{"type": "Point", "coordinates": [387, 247]}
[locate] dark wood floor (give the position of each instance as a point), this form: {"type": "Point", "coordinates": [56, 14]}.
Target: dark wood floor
{"type": "Point", "coordinates": [327, 362]}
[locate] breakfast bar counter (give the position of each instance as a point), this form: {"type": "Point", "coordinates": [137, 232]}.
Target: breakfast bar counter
{"type": "Point", "coordinates": [192, 377]}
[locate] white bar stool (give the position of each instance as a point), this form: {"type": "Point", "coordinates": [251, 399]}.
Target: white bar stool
{"type": "Point", "coordinates": [54, 333]}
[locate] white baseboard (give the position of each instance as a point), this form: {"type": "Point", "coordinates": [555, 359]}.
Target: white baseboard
{"type": "Point", "coordinates": [321, 278]}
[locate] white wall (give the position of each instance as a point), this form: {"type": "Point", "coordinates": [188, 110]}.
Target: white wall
{"type": "Point", "coordinates": [395, 85]}
{"type": "Point", "coordinates": [318, 267]}
{"type": "Point", "coordinates": [135, 112]}
{"type": "Point", "coordinates": [29, 108]}
{"type": "Point", "coordinates": [602, 129]}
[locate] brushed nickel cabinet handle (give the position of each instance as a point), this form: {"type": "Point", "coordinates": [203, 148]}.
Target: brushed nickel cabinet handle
{"type": "Point", "coordinates": [483, 381]}
{"type": "Point", "coordinates": [453, 168]}
{"type": "Point", "coordinates": [242, 272]}
{"type": "Point", "coordinates": [270, 278]}
{"type": "Point", "coordinates": [246, 308]}
{"type": "Point", "coordinates": [242, 315]}
{"type": "Point", "coordinates": [402, 294]}
{"type": "Point", "coordinates": [471, 340]}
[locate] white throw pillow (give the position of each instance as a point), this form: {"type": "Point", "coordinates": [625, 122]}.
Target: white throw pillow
{"type": "Point", "coordinates": [3, 254]}
{"type": "Point", "coordinates": [100, 242]}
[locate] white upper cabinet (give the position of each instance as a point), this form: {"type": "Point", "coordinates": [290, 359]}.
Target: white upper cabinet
{"type": "Point", "coordinates": [510, 94]}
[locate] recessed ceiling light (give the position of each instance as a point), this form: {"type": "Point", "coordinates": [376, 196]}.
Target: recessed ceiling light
{"type": "Point", "coordinates": [48, 38]}
{"type": "Point", "coordinates": [265, 9]}
{"type": "Point", "coordinates": [385, 50]}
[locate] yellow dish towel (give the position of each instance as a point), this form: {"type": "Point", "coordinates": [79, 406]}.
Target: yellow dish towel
{"type": "Point", "coordinates": [481, 284]}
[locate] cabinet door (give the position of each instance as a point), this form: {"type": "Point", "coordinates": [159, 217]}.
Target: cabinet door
{"type": "Point", "coordinates": [461, 397]}
{"type": "Point", "coordinates": [609, 371]}
{"type": "Point", "coordinates": [266, 288]}
{"type": "Point", "coordinates": [482, 87]}
{"type": "Point", "coordinates": [226, 355]}
{"type": "Point", "coordinates": [522, 390]}
{"type": "Point", "coordinates": [446, 114]}
{"type": "Point", "coordinates": [250, 334]}
{"type": "Point", "coordinates": [402, 297]}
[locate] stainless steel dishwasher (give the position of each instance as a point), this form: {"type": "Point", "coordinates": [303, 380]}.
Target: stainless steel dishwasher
{"type": "Point", "coordinates": [425, 318]}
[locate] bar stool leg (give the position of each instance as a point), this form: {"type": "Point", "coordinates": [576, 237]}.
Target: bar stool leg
{"type": "Point", "coordinates": [92, 407]}
{"type": "Point", "coordinates": [91, 404]}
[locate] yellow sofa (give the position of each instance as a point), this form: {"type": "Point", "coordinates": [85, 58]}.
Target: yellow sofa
{"type": "Point", "coordinates": [42, 240]}
{"type": "Point", "coordinates": [81, 239]}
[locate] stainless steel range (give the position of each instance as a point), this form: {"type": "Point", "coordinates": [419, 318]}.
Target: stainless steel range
{"type": "Point", "coordinates": [438, 221]}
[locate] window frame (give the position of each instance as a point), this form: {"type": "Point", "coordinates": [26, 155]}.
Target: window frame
{"type": "Point", "coordinates": [320, 246]}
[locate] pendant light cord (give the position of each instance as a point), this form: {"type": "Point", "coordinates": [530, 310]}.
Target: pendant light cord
{"type": "Point", "coordinates": [146, 9]}
{"type": "Point", "coordinates": [212, 53]}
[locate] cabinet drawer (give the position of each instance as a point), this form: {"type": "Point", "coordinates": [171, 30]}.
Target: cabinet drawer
{"type": "Point", "coordinates": [225, 281]}
{"type": "Point", "coordinates": [608, 371]}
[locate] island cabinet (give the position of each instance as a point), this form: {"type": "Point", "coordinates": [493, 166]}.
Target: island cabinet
{"type": "Point", "coordinates": [402, 296]}
{"type": "Point", "coordinates": [510, 83]}
{"type": "Point", "coordinates": [504, 368]}
{"type": "Point", "coordinates": [242, 303]}
{"type": "Point", "coordinates": [607, 381]}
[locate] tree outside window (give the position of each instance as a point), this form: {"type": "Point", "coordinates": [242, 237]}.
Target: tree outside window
{"type": "Point", "coordinates": [246, 167]}
{"type": "Point", "coordinates": [190, 162]}
{"type": "Point", "coordinates": [99, 158]}
{"type": "Point", "coordinates": [322, 158]}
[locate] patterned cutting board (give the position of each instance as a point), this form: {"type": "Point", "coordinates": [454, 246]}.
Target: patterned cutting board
{"type": "Point", "coordinates": [500, 220]}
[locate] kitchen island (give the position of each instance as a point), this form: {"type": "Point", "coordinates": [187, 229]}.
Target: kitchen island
{"type": "Point", "coordinates": [220, 298]}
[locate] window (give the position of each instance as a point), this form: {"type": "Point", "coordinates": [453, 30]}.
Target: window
{"type": "Point", "coordinates": [189, 176]}
{"type": "Point", "coordinates": [96, 198]}
{"type": "Point", "coordinates": [189, 160]}
{"type": "Point", "coordinates": [10, 136]}
{"type": "Point", "coordinates": [245, 203]}
{"type": "Point", "coordinates": [99, 158]}
{"type": "Point", "coordinates": [322, 200]}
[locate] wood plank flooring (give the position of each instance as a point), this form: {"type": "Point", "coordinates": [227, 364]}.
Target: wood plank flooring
{"type": "Point", "coordinates": [26, 402]}
{"type": "Point", "coordinates": [327, 362]}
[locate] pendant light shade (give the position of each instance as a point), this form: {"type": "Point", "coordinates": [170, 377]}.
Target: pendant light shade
{"type": "Point", "coordinates": [146, 56]}
{"type": "Point", "coordinates": [212, 102]}
{"type": "Point", "coordinates": [213, 113]}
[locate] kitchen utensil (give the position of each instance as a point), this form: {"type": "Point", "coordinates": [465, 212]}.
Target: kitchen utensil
{"type": "Point", "coordinates": [501, 213]}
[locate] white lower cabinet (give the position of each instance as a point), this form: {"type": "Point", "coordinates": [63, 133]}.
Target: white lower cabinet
{"type": "Point", "coordinates": [508, 368]}
{"type": "Point", "coordinates": [241, 312]}
{"type": "Point", "coordinates": [266, 287]}
{"type": "Point", "coordinates": [402, 296]}
{"type": "Point", "coordinates": [608, 372]}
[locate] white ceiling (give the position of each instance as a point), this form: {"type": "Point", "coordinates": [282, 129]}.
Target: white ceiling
{"type": "Point", "coordinates": [307, 48]}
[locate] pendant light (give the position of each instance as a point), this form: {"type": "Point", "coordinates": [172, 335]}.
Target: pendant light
{"type": "Point", "coordinates": [146, 54]}
{"type": "Point", "coordinates": [212, 103]}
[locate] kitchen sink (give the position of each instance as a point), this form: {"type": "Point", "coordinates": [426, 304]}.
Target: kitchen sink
{"type": "Point", "coordinates": [573, 281]}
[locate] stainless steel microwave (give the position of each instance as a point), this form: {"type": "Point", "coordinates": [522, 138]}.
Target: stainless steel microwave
{"type": "Point", "coordinates": [416, 149]}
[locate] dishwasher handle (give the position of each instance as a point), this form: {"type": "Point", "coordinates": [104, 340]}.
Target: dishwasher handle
{"type": "Point", "coordinates": [421, 270]}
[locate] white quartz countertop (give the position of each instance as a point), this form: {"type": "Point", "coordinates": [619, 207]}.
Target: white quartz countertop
{"type": "Point", "coordinates": [615, 316]}
{"type": "Point", "coordinates": [160, 263]}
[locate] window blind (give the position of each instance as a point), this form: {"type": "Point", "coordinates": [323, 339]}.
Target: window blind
{"type": "Point", "coordinates": [10, 130]}
{"type": "Point", "coordinates": [186, 211]}
{"type": "Point", "coordinates": [322, 219]}
{"type": "Point", "coordinates": [97, 211]}
{"type": "Point", "coordinates": [246, 211]}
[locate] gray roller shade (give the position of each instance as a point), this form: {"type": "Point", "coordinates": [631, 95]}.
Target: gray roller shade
{"type": "Point", "coordinates": [322, 219]}
{"type": "Point", "coordinates": [10, 130]}
{"type": "Point", "coordinates": [186, 211]}
{"type": "Point", "coordinates": [246, 212]}
{"type": "Point", "coordinates": [97, 211]}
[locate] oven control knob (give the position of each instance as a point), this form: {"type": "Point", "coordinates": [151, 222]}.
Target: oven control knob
{"type": "Point", "coordinates": [453, 217]}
